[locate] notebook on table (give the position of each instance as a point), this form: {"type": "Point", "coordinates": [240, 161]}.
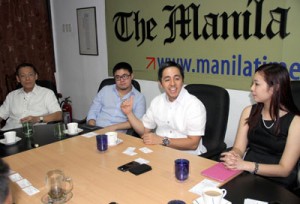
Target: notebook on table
{"type": "Point", "coordinates": [219, 172]}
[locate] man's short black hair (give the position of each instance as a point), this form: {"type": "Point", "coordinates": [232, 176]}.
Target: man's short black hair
{"type": "Point", "coordinates": [170, 64]}
{"type": "Point", "coordinates": [122, 65]}
{"type": "Point", "coordinates": [4, 181]}
{"type": "Point", "coordinates": [25, 64]}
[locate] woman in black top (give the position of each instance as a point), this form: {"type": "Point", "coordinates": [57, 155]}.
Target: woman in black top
{"type": "Point", "coordinates": [268, 136]}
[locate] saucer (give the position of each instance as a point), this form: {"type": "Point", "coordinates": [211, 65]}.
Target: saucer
{"type": "Point", "coordinates": [3, 141]}
{"type": "Point", "coordinates": [119, 141]}
{"type": "Point", "coordinates": [201, 201]}
{"type": "Point", "coordinates": [47, 200]}
{"type": "Point", "coordinates": [78, 131]}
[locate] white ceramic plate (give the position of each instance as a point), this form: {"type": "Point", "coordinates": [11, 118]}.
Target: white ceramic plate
{"type": "Point", "coordinates": [201, 201]}
{"type": "Point", "coordinates": [78, 131]}
{"type": "Point", "coordinates": [3, 141]}
{"type": "Point", "coordinates": [118, 142]}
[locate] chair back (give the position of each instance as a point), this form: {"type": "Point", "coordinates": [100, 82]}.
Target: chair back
{"type": "Point", "coordinates": [111, 81]}
{"type": "Point", "coordinates": [11, 83]}
{"type": "Point", "coordinates": [295, 87]}
{"type": "Point", "coordinates": [216, 101]}
{"type": "Point", "coordinates": [46, 84]}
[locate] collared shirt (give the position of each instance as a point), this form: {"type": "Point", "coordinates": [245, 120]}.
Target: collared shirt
{"type": "Point", "coordinates": [106, 106]}
{"type": "Point", "coordinates": [19, 104]}
{"type": "Point", "coordinates": [184, 116]}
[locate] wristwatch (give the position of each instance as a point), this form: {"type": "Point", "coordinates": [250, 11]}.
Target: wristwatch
{"type": "Point", "coordinates": [41, 119]}
{"type": "Point", "coordinates": [166, 141]}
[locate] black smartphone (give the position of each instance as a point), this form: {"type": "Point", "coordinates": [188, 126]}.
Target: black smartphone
{"type": "Point", "coordinates": [129, 165]}
{"type": "Point", "coordinates": [137, 170]}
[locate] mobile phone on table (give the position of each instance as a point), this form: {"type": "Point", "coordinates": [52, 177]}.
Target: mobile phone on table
{"type": "Point", "coordinates": [127, 166]}
{"type": "Point", "coordinates": [137, 170]}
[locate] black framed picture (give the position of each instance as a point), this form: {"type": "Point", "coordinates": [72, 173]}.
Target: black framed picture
{"type": "Point", "coordinates": [87, 31]}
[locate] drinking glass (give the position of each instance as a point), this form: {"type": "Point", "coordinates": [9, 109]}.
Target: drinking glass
{"type": "Point", "coordinates": [182, 169]}
{"type": "Point", "coordinates": [59, 129]}
{"type": "Point", "coordinates": [58, 185]}
{"type": "Point", "coordinates": [101, 142]}
{"type": "Point", "coordinates": [27, 129]}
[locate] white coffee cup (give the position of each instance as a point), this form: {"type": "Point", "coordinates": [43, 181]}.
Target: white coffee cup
{"type": "Point", "coordinates": [112, 138]}
{"type": "Point", "coordinates": [72, 128]}
{"type": "Point", "coordinates": [10, 137]}
{"type": "Point", "coordinates": [213, 195]}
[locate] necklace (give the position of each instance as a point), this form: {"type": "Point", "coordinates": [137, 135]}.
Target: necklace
{"type": "Point", "coordinates": [268, 127]}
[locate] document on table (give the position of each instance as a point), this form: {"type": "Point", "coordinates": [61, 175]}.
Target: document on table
{"type": "Point", "coordinates": [197, 189]}
{"type": "Point", "coordinates": [89, 134]}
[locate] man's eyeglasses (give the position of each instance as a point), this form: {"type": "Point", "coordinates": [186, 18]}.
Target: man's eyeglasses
{"type": "Point", "coordinates": [123, 77]}
{"type": "Point", "coordinates": [24, 76]}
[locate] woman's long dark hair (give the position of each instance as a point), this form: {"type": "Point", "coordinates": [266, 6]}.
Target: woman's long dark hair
{"type": "Point", "coordinates": [276, 76]}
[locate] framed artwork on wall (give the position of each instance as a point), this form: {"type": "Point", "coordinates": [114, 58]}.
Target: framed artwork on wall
{"type": "Point", "coordinates": [87, 31]}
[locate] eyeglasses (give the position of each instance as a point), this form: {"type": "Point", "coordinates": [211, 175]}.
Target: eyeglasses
{"type": "Point", "coordinates": [123, 77]}
{"type": "Point", "coordinates": [24, 76]}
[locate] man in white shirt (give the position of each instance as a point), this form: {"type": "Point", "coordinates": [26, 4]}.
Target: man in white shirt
{"type": "Point", "coordinates": [31, 103]}
{"type": "Point", "coordinates": [177, 117]}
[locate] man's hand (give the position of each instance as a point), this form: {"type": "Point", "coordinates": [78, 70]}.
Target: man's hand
{"type": "Point", "coordinates": [91, 122]}
{"type": "Point", "coordinates": [127, 105]}
{"type": "Point", "coordinates": [32, 119]}
{"type": "Point", "coordinates": [151, 138]}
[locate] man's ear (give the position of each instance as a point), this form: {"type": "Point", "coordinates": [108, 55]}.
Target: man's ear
{"type": "Point", "coordinates": [160, 84]}
{"type": "Point", "coordinates": [18, 79]}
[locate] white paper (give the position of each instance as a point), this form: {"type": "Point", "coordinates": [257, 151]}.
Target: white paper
{"type": "Point", "coordinates": [201, 201]}
{"type": "Point", "coordinates": [89, 134]}
{"type": "Point", "coordinates": [146, 150]}
{"type": "Point", "coordinates": [130, 151]}
{"type": "Point", "coordinates": [30, 190]}
{"type": "Point", "coordinates": [197, 189]}
{"type": "Point", "coordinates": [252, 201]}
{"type": "Point", "coordinates": [23, 183]}
{"type": "Point", "coordinates": [15, 177]}
{"type": "Point", "coordinates": [11, 171]}
{"type": "Point", "coordinates": [142, 161]}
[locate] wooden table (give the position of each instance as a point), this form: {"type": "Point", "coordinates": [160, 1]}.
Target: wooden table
{"type": "Point", "coordinates": [95, 175]}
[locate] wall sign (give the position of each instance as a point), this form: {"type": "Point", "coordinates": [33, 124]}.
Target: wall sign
{"type": "Point", "coordinates": [216, 42]}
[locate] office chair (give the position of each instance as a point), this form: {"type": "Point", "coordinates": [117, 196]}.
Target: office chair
{"type": "Point", "coordinates": [216, 101]}
{"type": "Point", "coordinates": [11, 83]}
{"type": "Point", "coordinates": [295, 87]}
{"type": "Point", "coordinates": [47, 84]}
{"type": "Point", "coordinates": [111, 81]}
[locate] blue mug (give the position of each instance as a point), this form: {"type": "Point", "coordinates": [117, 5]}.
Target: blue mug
{"type": "Point", "coordinates": [101, 142]}
{"type": "Point", "coordinates": [182, 168]}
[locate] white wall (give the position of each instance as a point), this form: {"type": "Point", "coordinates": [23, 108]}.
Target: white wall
{"type": "Point", "coordinates": [79, 76]}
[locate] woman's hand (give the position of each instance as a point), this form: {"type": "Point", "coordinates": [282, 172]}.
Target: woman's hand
{"type": "Point", "coordinates": [232, 160]}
